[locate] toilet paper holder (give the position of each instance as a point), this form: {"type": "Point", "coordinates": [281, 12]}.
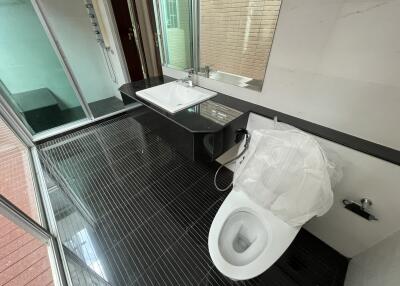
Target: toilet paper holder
{"type": "Point", "coordinates": [360, 208]}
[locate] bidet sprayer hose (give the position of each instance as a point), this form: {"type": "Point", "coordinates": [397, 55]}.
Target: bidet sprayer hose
{"type": "Point", "coordinates": [245, 148]}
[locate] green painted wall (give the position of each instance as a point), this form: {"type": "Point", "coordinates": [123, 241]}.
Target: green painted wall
{"type": "Point", "coordinates": [27, 59]}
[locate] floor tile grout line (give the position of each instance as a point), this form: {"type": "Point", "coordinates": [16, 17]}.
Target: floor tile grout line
{"type": "Point", "coordinates": [110, 184]}
{"type": "Point", "coordinates": [73, 136]}
{"type": "Point", "coordinates": [102, 274]}
{"type": "Point", "coordinates": [136, 195]}
{"type": "Point", "coordinates": [84, 130]}
{"type": "Point", "coordinates": [101, 152]}
{"type": "Point", "coordinates": [158, 211]}
{"type": "Point", "coordinates": [181, 193]}
{"type": "Point", "coordinates": [183, 234]}
{"type": "Point", "coordinates": [121, 180]}
{"type": "Point", "coordinates": [122, 177]}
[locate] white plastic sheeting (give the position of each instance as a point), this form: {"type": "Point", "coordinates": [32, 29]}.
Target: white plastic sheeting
{"type": "Point", "coordinates": [286, 171]}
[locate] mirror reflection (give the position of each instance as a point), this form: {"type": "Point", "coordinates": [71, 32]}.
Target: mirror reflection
{"type": "Point", "coordinates": [235, 45]}
{"type": "Point", "coordinates": [174, 27]}
{"type": "Point", "coordinates": [232, 46]}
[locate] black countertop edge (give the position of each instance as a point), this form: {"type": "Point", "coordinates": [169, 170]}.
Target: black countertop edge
{"type": "Point", "coordinates": [380, 151]}
{"type": "Point", "coordinates": [189, 118]}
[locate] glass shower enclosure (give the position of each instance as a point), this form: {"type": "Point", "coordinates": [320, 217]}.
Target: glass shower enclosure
{"type": "Point", "coordinates": [56, 72]}
{"type": "Point", "coordinates": [33, 82]}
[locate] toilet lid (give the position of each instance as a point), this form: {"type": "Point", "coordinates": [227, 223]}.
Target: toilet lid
{"type": "Point", "coordinates": [246, 239]}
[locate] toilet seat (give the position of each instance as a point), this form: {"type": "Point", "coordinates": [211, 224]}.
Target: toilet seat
{"type": "Point", "coordinates": [246, 239]}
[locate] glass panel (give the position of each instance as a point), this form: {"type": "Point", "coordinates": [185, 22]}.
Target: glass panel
{"type": "Point", "coordinates": [87, 263]}
{"type": "Point", "coordinates": [31, 76]}
{"type": "Point", "coordinates": [235, 45]}
{"type": "Point", "coordinates": [16, 183]}
{"type": "Point", "coordinates": [23, 258]}
{"type": "Point", "coordinates": [80, 273]}
{"type": "Point", "coordinates": [177, 34]}
{"type": "Point", "coordinates": [94, 63]}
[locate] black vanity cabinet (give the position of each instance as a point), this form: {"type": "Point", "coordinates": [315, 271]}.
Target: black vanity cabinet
{"type": "Point", "coordinates": [201, 132]}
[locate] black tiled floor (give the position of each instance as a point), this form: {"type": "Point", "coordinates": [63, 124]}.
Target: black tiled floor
{"type": "Point", "coordinates": [136, 212]}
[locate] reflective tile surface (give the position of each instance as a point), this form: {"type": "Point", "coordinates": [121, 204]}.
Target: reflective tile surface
{"type": "Point", "coordinates": [131, 210]}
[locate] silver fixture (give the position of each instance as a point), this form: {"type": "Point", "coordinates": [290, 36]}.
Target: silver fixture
{"type": "Point", "coordinates": [205, 71]}
{"type": "Point", "coordinates": [365, 203]}
{"type": "Point", "coordinates": [101, 39]}
{"type": "Point", "coordinates": [188, 80]}
{"type": "Point", "coordinates": [241, 134]}
{"type": "Point", "coordinates": [360, 208]}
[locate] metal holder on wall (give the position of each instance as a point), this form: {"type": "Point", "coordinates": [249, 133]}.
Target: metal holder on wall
{"type": "Point", "coordinates": [360, 208]}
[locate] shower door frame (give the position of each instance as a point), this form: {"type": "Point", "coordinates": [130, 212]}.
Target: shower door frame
{"type": "Point", "coordinates": [46, 231]}
{"type": "Point", "coordinates": [9, 114]}
{"type": "Point", "coordinates": [61, 57]}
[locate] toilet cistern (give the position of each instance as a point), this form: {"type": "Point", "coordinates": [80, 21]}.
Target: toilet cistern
{"type": "Point", "coordinates": [279, 185]}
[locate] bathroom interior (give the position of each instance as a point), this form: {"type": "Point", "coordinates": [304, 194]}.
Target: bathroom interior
{"type": "Point", "coordinates": [200, 142]}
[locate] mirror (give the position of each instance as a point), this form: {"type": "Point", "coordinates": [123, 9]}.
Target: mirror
{"type": "Point", "coordinates": [223, 40]}
{"type": "Point", "coordinates": [174, 28]}
{"type": "Point", "coordinates": [235, 44]}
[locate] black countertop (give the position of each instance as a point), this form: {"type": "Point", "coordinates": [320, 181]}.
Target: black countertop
{"type": "Point", "coordinates": [193, 121]}
{"type": "Point", "coordinates": [190, 118]}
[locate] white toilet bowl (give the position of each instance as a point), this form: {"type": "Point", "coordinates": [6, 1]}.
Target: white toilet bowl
{"type": "Point", "coordinates": [246, 239]}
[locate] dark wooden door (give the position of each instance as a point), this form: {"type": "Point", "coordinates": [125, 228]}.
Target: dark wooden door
{"type": "Point", "coordinates": [125, 30]}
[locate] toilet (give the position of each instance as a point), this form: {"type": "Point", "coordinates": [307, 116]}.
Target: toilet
{"type": "Point", "coordinates": [246, 239]}
{"type": "Point", "coordinates": [279, 184]}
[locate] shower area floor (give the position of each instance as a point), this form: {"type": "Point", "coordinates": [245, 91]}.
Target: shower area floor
{"type": "Point", "coordinates": [131, 210]}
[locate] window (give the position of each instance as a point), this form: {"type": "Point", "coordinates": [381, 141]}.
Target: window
{"type": "Point", "coordinates": [172, 14]}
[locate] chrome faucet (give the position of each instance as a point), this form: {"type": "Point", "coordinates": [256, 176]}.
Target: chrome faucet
{"type": "Point", "coordinates": [205, 71]}
{"type": "Point", "coordinates": [189, 78]}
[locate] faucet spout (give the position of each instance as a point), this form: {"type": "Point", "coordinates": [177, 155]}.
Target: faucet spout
{"type": "Point", "coordinates": [188, 80]}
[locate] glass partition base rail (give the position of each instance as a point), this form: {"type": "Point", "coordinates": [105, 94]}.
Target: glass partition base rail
{"type": "Point", "coordinates": [78, 124]}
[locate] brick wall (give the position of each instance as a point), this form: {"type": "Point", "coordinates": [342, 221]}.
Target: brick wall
{"type": "Point", "coordinates": [23, 258]}
{"type": "Point", "coordinates": [16, 183]}
{"type": "Point", "coordinates": [236, 35]}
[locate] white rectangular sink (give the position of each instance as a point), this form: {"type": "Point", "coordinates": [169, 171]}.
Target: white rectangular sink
{"type": "Point", "coordinates": [175, 96]}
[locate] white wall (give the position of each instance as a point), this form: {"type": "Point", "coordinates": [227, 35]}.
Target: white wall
{"type": "Point", "coordinates": [378, 265]}
{"type": "Point", "coordinates": [363, 176]}
{"type": "Point", "coordinates": [116, 53]}
{"type": "Point", "coordinates": [335, 63]}
{"type": "Point", "coordinates": [72, 28]}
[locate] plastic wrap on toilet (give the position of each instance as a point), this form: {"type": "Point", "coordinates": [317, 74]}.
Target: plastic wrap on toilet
{"type": "Point", "coordinates": [286, 171]}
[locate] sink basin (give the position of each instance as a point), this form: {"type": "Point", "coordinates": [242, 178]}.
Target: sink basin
{"type": "Point", "coordinates": [175, 96]}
